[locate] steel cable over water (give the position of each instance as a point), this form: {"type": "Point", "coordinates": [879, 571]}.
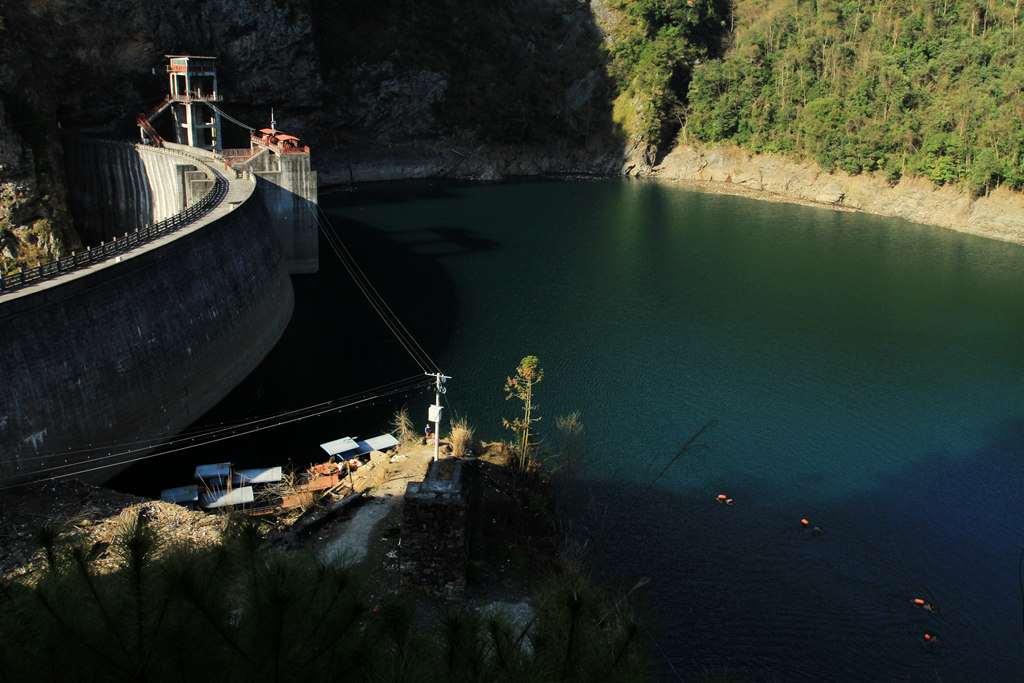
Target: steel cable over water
{"type": "Point", "coordinates": [204, 437]}
{"type": "Point", "coordinates": [402, 334]}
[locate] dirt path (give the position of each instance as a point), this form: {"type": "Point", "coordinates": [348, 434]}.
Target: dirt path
{"type": "Point", "coordinates": [351, 535]}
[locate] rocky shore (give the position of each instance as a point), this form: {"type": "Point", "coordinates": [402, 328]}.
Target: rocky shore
{"type": "Point", "coordinates": [731, 170]}
{"type": "Point", "coordinates": [722, 170]}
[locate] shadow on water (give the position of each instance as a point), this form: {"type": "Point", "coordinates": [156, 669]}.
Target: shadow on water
{"type": "Point", "coordinates": [444, 241]}
{"type": "Point", "coordinates": [335, 345]}
{"type": "Point", "coordinates": [391, 192]}
{"type": "Point", "coordinates": [746, 591]}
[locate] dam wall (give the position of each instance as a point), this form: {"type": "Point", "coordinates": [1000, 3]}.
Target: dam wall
{"type": "Point", "coordinates": [137, 347]}
{"type": "Point", "coordinates": [118, 187]}
{"type": "Point", "coordinates": [288, 188]}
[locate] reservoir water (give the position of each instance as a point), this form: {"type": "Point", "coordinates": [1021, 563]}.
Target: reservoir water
{"type": "Point", "coordinates": [862, 373]}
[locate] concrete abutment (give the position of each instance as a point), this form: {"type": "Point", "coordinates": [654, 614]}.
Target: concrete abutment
{"type": "Point", "coordinates": [139, 346]}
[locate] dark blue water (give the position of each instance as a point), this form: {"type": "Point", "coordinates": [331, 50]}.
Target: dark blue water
{"type": "Point", "coordinates": [863, 373]}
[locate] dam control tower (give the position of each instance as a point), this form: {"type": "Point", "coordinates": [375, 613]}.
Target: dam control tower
{"type": "Point", "coordinates": [287, 185]}
{"type": "Point", "coordinates": [193, 86]}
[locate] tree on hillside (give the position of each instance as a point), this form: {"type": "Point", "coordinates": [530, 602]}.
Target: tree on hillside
{"type": "Point", "coordinates": [655, 46]}
{"type": "Point", "coordinates": [520, 385]}
{"type": "Point", "coordinates": [904, 87]}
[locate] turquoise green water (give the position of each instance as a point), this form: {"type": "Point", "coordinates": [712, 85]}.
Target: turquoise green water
{"type": "Point", "coordinates": [861, 372]}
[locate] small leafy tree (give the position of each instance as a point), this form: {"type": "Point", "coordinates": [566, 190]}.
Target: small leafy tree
{"type": "Point", "coordinates": [520, 385]}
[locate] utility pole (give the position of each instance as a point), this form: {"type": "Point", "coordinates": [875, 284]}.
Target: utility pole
{"type": "Point", "coordinates": [434, 415]}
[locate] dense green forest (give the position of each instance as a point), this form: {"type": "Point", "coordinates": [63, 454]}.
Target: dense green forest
{"type": "Point", "coordinates": [909, 87]}
{"type": "Point", "coordinates": [928, 88]}
{"type": "Point", "coordinates": [654, 45]}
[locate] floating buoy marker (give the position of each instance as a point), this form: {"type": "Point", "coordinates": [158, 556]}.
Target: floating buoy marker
{"type": "Point", "coordinates": [927, 636]}
{"type": "Point", "coordinates": [804, 522]}
{"type": "Point", "coordinates": [721, 497]}
{"type": "Point", "coordinates": [918, 601]}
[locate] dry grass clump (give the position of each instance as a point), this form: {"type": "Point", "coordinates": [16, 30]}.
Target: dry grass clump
{"type": "Point", "coordinates": [461, 438]}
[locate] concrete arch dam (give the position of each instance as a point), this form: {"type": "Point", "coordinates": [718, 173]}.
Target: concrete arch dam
{"type": "Point", "coordinates": [141, 342]}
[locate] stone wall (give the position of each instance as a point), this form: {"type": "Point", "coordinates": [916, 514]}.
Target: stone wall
{"type": "Point", "coordinates": [434, 551]}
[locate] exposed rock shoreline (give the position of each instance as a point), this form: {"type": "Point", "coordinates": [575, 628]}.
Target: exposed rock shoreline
{"type": "Point", "coordinates": [733, 170]}
{"type": "Point", "coordinates": [723, 170]}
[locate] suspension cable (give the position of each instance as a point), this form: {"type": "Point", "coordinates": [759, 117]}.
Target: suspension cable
{"type": "Point", "coordinates": [214, 107]}
{"type": "Point", "coordinates": [283, 417]}
{"type": "Point", "coordinates": [373, 296]}
{"type": "Point", "coordinates": [210, 436]}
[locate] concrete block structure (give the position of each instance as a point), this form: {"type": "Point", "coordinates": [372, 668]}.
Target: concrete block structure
{"type": "Point", "coordinates": [287, 184]}
{"type": "Point", "coordinates": [435, 530]}
{"type": "Point", "coordinates": [288, 189]}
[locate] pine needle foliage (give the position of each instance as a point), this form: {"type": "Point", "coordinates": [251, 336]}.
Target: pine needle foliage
{"type": "Point", "coordinates": [236, 612]}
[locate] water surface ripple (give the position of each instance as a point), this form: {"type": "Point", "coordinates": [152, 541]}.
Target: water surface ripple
{"type": "Point", "coordinates": [863, 373]}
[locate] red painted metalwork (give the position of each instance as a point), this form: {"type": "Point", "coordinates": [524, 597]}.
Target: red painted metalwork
{"type": "Point", "coordinates": [278, 142]}
{"type": "Point", "coordinates": [150, 130]}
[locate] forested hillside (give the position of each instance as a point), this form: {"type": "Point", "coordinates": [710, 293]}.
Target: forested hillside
{"type": "Point", "coordinates": [928, 88]}
{"type": "Point", "coordinates": [652, 46]}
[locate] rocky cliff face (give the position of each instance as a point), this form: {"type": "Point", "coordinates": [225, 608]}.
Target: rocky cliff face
{"type": "Point", "coordinates": [381, 89]}
{"type": "Point", "coordinates": [461, 84]}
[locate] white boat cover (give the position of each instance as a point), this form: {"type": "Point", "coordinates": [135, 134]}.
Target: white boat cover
{"type": "Point", "coordinates": [218, 499]}
{"type": "Point", "coordinates": [257, 475]}
{"type": "Point", "coordinates": [216, 474]}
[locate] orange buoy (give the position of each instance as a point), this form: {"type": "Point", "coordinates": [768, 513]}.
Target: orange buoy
{"type": "Point", "coordinates": [918, 601]}
{"type": "Point", "coordinates": [927, 636]}
{"type": "Point", "coordinates": [721, 496]}
{"type": "Point", "coordinates": [728, 501]}
{"type": "Point", "coordinates": [804, 522]}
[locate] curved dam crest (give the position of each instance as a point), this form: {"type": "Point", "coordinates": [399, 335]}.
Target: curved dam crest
{"type": "Point", "coordinates": [139, 346]}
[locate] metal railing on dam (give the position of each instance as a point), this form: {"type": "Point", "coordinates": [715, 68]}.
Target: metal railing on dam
{"type": "Point", "coordinates": [130, 240]}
